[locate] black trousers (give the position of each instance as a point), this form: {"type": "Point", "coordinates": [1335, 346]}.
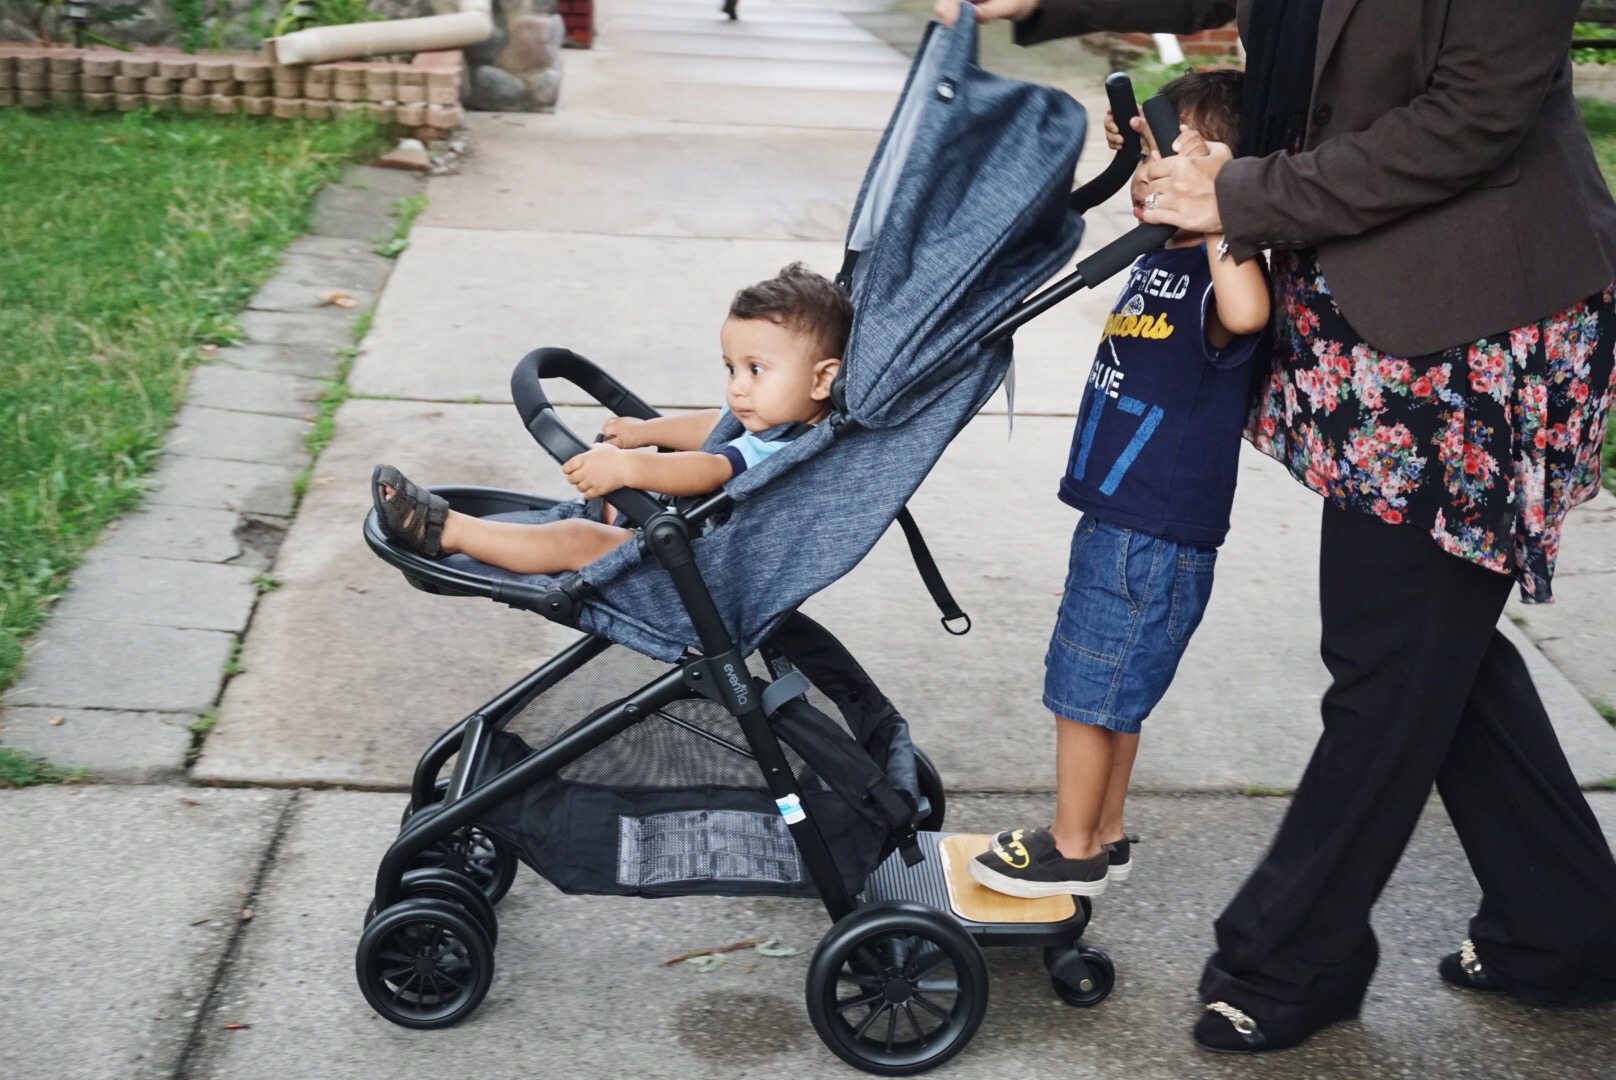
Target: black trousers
{"type": "Point", "coordinates": [1425, 691]}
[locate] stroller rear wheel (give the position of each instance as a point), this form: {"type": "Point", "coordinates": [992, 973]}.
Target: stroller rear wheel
{"type": "Point", "coordinates": [441, 883]}
{"type": "Point", "coordinates": [897, 988]}
{"type": "Point", "coordinates": [424, 963]}
{"type": "Point", "coordinates": [479, 855]}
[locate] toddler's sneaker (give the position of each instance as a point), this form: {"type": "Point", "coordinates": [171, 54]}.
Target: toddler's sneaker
{"type": "Point", "coordinates": [1026, 863]}
{"type": "Point", "coordinates": [1121, 853]}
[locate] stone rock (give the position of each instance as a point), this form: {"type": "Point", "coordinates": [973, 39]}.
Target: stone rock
{"type": "Point", "coordinates": [544, 87]}
{"type": "Point", "coordinates": [496, 91]}
{"type": "Point", "coordinates": [485, 52]}
{"type": "Point", "coordinates": [534, 44]}
{"type": "Point", "coordinates": [408, 154]}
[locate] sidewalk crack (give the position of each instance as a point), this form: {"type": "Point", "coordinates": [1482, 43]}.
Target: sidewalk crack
{"type": "Point", "coordinates": [206, 1013]}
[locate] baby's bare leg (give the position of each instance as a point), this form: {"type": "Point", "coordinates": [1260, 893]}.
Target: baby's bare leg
{"type": "Point", "coordinates": [553, 547]}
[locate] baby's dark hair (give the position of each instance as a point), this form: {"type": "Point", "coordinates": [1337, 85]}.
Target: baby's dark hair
{"type": "Point", "coordinates": [1209, 102]}
{"type": "Point", "coordinates": [801, 301]}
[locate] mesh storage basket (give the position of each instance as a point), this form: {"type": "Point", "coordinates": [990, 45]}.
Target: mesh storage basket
{"type": "Point", "coordinates": [676, 805]}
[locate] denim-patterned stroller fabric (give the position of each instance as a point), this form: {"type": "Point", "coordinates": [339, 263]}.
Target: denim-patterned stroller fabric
{"type": "Point", "coordinates": [962, 214]}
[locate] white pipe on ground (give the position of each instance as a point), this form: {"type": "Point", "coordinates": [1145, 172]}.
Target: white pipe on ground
{"type": "Point", "coordinates": [323, 44]}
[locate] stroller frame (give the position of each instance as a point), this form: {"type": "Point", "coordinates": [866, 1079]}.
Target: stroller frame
{"type": "Point", "coordinates": [909, 906]}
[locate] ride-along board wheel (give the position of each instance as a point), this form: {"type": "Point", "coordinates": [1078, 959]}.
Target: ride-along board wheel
{"type": "Point", "coordinates": [441, 883]}
{"type": "Point", "coordinates": [1102, 976]}
{"type": "Point", "coordinates": [931, 787]}
{"type": "Point", "coordinates": [472, 851]}
{"type": "Point", "coordinates": [424, 964]}
{"type": "Point", "coordinates": [897, 988]}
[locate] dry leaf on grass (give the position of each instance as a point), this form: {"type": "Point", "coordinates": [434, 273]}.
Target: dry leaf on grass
{"type": "Point", "coordinates": [334, 298]}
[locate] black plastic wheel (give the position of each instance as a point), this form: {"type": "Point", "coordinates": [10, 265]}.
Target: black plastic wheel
{"type": "Point", "coordinates": [1102, 976]}
{"type": "Point", "coordinates": [441, 883]}
{"type": "Point", "coordinates": [897, 988]}
{"type": "Point", "coordinates": [931, 787]}
{"type": "Point", "coordinates": [424, 964]}
{"type": "Point", "coordinates": [473, 851]}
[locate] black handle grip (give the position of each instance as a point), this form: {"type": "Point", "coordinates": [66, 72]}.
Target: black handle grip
{"type": "Point", "coordinates": [1162, 116]}
{"type": "Point", "coordinates": [557, 438]}
{"type": "Point", "coordinates": [1119, 92]}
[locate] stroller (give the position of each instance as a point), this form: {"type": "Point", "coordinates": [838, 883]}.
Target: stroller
{"type": "Point", "coordinates": [703, 737]}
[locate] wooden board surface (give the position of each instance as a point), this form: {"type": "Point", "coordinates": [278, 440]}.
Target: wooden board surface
{"type": "Point", "coordinates": [980, 904]}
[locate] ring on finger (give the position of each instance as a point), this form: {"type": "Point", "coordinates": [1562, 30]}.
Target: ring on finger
{"type": "Point", "coordinates": [1151, 200]}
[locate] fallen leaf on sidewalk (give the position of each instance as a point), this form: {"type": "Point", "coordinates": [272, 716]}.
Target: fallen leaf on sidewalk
{"type": "Point", "coordinates": [238, 1027]}
{"type": "Point", "coordinates": [208, 352]}
{"type": "Point", "coordinates": [246, 914]}
{"type": "Point", "coordinates": [775, 950]}
{"type": "Point", "coordinates": [189, 802]}
{"type": "Point", "coordinates": [58, 721]}
{"type": "Point", "coordinates": [324, 479]}
{"type": "Point", "coordinates": [338, 299]}
{"type": "Point", "coordinates": [698, 953]}
{"type": "Point", "coordinates": [199, 922]}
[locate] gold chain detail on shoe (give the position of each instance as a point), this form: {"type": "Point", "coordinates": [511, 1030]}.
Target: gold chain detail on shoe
{"type": "Point", "coordinates": [1468, 958]}
{"type": "Point", "coordinates": [1244, 1024]}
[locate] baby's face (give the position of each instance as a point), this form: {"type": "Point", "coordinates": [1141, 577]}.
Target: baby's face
{"type": "Point", "coordinates": [776, 375]}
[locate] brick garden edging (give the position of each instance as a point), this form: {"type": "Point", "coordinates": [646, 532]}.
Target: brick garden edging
{"type": "Point", "coordinates": [422, 96]}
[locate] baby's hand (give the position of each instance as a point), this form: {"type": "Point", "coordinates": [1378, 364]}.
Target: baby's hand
{"type": "Point", "coordinates": [597, 471]}
{"type": "Point", "coordinates": [623, 431]}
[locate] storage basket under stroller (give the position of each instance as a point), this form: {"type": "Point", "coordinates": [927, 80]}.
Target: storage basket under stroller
{"type": "Point", "coordinates": [678, 805]}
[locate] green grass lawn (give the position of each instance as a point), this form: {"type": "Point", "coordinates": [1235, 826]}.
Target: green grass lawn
{"type": "Point", "coordinates": [1600, 119]}
{"type": "Point", "coordinates": [130, 243]}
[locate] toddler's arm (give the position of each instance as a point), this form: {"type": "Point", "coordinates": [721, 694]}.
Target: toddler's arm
{"type": "Point", "coordinates": [681, 431]}
{"type": "Point", "coordinates": [604, 468]}
{"type": "Point", "coordinates": [1239, 290]}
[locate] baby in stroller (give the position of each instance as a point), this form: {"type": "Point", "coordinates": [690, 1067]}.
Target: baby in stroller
{"type": "Point", "coordinates": [782, 345]}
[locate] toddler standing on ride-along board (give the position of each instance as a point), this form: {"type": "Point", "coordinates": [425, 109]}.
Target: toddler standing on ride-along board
{"type": "Point", "coordinates": [1152, 467]}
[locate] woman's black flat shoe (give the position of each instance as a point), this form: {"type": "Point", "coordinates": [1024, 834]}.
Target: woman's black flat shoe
{"type": "Point", "coordinates": [1463, 969]}
{"type": "Point", "coordinates": [1224, 1029]}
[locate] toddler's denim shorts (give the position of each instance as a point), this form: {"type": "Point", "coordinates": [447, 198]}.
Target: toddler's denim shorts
{"type": "Point", "coordinates": [1131, 603]}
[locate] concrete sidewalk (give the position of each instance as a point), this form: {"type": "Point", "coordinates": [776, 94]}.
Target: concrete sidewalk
{"type": "Point", "coordinates": [196, 933]}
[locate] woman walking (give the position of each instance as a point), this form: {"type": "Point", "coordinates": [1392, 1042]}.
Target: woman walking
{"type": "Point", "coordinates": [1444, 249]}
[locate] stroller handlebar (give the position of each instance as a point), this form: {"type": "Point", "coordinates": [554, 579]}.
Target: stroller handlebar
{"type": "Point", "coordinates": [558, 440]}
{"type": "Point", "coordinates": [1120, 253]}
{"type": "Point", "coordinates": [1119, 93]}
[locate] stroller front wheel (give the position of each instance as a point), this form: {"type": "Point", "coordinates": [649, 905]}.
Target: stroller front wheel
{"type": "Point", "coordinates": [478, 854]}
{"type": "Point", "coordinates": [424, 964]}
{"type": "Point", "coordinates": [897, 988]}
{"type": "Point", "coordinates": [440, 883]}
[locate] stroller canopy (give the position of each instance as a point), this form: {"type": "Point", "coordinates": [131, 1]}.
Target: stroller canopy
{"type": "Point", "coordinates": [963, 212]}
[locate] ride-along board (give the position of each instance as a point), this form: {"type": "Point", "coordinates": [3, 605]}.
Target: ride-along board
{"type": "Point", "coordinates": [975, 902]}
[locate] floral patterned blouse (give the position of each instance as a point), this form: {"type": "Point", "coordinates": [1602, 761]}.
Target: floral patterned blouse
{"type": "Point", "coordinates": [1486, 446]}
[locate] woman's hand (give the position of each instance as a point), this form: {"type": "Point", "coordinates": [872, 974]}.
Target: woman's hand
{"type": "Point", "coordinates": [1185, 185]}
{"type": "Point", "coordinates": [600, 470]}
{"type": "Point", "coordinates": [624, 431]}
{"type": "Point", "coordinates": [947, 11]}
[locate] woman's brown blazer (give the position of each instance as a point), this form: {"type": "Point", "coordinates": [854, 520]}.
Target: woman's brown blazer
{"type": "Point", "coordinates": [1447, 182]}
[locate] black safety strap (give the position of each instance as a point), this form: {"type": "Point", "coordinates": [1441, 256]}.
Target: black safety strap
{"type": "Point", "coordinates": [931, 575]}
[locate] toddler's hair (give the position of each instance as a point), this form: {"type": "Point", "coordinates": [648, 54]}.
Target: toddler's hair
{"type": "Point", "coordinates": [803, 302]}
{"type": "Point", "coordinates": [1209, 102]}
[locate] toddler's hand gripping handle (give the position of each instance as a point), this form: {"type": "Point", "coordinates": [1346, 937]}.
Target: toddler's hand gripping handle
{"type": "Point", "coordinates": [547, 429]}
{"type": "Point", "coordinates": [1119, 93]}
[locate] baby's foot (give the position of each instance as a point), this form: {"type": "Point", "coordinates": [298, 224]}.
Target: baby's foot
{"type": "Point", "coordinates": [410, 515]}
